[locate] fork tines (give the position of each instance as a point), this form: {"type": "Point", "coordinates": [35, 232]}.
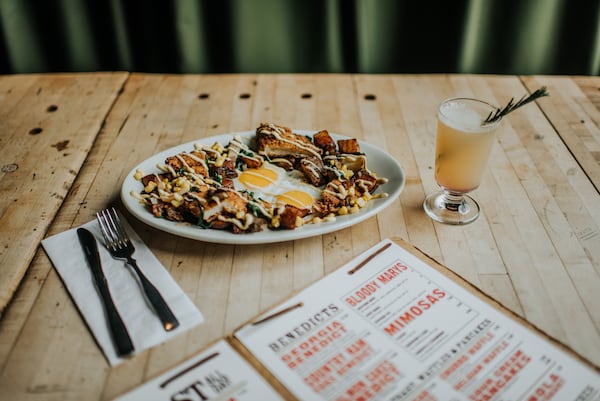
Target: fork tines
{"type": "Point", "coordinates": [112, 229]}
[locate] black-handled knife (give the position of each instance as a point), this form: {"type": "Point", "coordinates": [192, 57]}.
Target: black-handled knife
{"type": "Point", "coordinates": [118, 330]}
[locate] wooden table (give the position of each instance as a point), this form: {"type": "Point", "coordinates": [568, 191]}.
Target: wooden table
{"type": "Point", "coordinates": [68, 140]}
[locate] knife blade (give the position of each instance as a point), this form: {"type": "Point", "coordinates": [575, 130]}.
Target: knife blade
{"type": "Point", "coordinates": [119, 332]}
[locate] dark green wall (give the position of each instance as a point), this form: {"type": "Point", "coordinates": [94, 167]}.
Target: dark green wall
{"type": "Point", "coordinates": [370, 36]}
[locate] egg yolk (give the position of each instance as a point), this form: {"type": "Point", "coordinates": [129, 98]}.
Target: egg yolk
{"type": "Point", "coordinates": [258, 178]}
{"type": "Point", "coordinates": [296, 198]}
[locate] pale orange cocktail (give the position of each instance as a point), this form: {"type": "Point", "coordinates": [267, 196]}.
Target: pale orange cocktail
{"type": "Point", "coordinates": [463, 147]}
{"type": "Point", "coordinates": [462, 150]}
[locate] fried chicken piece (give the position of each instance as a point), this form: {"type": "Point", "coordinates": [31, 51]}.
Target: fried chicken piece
{"type": "Point", "coordinates": [243, 156]}
{"type": "Point", "coordinates": [287, 163]}
{"type": "Point", "coordinates": [277, 141]}
{"type": "Point", "coordinates": [314, 170]}
{"type": "Point", "coordinates": [250, 161]}
{"type": "Point", "coordinates": [224, 201]}
{"type": "Point", "coordinates": [186, 161]}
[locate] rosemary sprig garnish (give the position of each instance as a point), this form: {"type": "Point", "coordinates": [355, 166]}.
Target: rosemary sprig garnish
{"type": "Point", "coordinates": [511, 106]}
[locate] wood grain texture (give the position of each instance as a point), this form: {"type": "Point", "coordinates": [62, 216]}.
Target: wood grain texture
{"type": "Point", "coordinates": [535, 248]}
{"type": "Point", "coordinates": [48, 124]}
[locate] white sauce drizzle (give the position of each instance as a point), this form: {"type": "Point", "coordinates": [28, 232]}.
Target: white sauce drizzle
{"type": "Point", "coordinates": [248, 220]}
{"type": "Point", "coordinates": [278, 132]}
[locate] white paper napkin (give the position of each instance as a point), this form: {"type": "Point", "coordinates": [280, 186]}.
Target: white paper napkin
{"type": "Point", "coordinates": [143, 325]}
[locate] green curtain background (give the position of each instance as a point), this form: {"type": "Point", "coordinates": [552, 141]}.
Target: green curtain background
{"type": "Point", "coordinates": [365, 36]}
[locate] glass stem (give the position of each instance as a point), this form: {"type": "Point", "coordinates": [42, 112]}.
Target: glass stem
{"type": "Point", "coordinates": [453, 201]}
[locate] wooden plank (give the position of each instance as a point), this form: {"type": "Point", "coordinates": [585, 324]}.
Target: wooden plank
{"type": "Point", "coordinates": [377, 102]}
{"type": "Point", "coordinates": [48, 124]}
{"type": "Point", "coordinates": [573, 108]}
{"type": "Point", "coordinates": [416, 108]}
{"type": "Point", "coordinates": [547, 172]}
{"type": "Point", "coordinates": [337, 107]}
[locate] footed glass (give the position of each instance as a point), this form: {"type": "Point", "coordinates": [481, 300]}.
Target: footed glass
{"type": "Point", "coordinates": [463, 146]}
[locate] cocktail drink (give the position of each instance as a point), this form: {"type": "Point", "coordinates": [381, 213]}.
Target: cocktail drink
{"type": "Point", "coordinates": [463, 146]}
{"type": "Point", "coordinates": [462, 150]}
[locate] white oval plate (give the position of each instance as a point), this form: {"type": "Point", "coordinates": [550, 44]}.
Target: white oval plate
{"type": "Point", "coordinates": [379, 161]}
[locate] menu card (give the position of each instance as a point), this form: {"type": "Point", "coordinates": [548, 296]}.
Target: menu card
{"type": "Point", "coordinates": [389, 326]}
{"type": "Point", "coordinates": [218, 373]}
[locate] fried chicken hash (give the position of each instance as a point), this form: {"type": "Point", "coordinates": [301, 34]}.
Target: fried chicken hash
{"type": "Point", "coordinates": [201, 186]}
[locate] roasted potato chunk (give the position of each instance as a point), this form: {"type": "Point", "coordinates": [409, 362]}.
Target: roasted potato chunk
{"type": "Point", "coordinates": [324, 141]}
{"type": "Point", "coordinates": [348, 146]}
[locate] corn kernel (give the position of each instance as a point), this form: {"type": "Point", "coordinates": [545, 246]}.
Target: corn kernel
{"type": "Point", "coordinates": [275, 222]}
{"type": "Point", "coordinates": [343, 211]}
{"type": "Point", "coordinates": [354, 209]}
{"type": "Point", "coordinates": [218, 147]}
{"type": "Point", "coordinates": [361, 202]}
{"type": "Point", "coordinates": [177, 197]}
{"type": "Point", "coordinates": [316, 220]}
{"type": "Point", "coordinates": [299, 222]}
{"type": "Point", "coordinates": [138, 174]}
{"type": "Point", "coordinates": [184, 189]}
{"type": "Point", "coordinates": [150, 187]}
{"type": "Point", "coordinates": [176, 203]}
{"type": "Point", "coordinates": [220, 160]}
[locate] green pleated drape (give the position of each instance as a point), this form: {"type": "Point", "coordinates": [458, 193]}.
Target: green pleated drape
{"type": "Point", "coordinates": [365, 36]}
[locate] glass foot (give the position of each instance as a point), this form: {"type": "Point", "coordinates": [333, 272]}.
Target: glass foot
{"type": "Point", "coordinates": [457, 209]}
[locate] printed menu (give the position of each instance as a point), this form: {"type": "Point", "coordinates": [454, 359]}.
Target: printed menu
{"type": "Point", "coordinates": [218, 373]}
{"type": "Point", "coordinates": [388, 326]}
{"type": "Point", "coordinates": [391, 325]}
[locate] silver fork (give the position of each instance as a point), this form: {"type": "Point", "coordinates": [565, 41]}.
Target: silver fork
{"type": "Point", "coordinates": [120, 247]}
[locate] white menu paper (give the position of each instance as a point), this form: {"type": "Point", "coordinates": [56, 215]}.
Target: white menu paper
{"type": "Point", "coordinates": [218, 373]}
{"type": "Point", "coordinates": [387, 326]}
